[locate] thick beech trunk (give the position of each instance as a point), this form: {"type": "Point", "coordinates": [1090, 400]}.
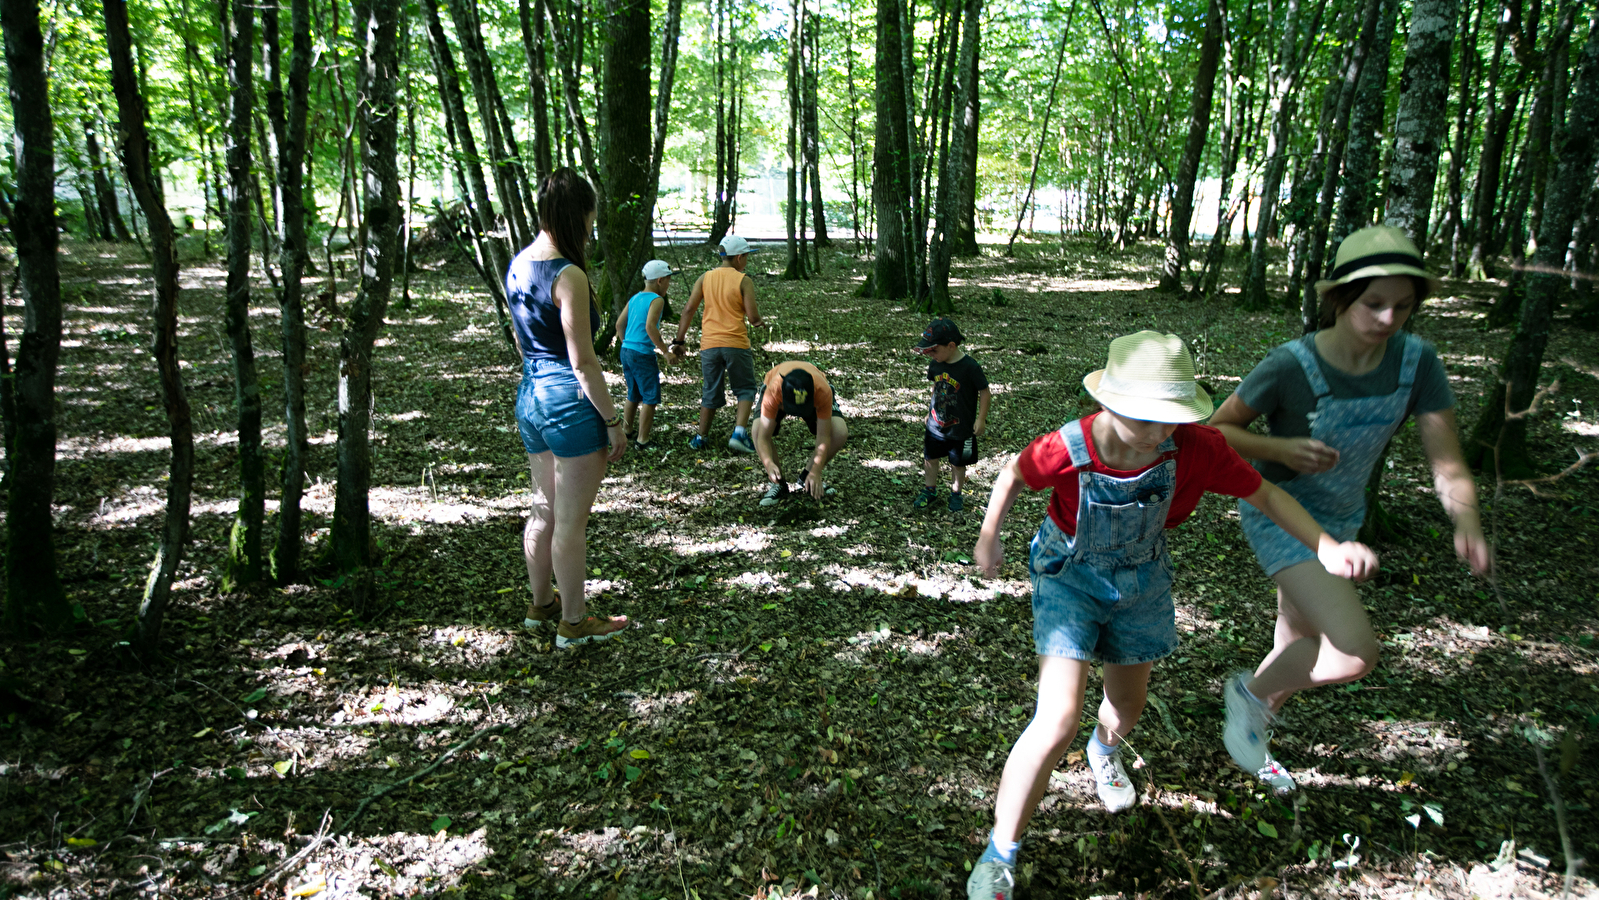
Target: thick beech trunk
{"type": "Point", "coordinates": [644, 241]}
{"type": "Point", "coordinates": [625, 132]}
{"type": "Point", "coordinates": [951, 186]}
{"type": "Point", "coordinates": [1419, 124]}
{"type": "Point", "coordinates": [531, 16]}
{"type": "Point", "coordinates": [965, 236]}
{"type": "Point", "coordinates": [293, 254]}
{"type": "Point", "coordinates": [244, 558]}
{"type": "Point", "coordinates": [795, 268]}
{"type": "Point", "coordinates": [376, 27]}
{"type": "Point", "coordinates": [1524, 357]}
{"type": "Point", "coordinates": [892, 185]}
{"type": "Point", "coordinates": [140, 171]}
{"type": "Point", "coordinates": [34, 599]}
{"type": "Point", "coordinates": [1362, 149]}
{"type": "Point", "coordinates": [1171, 276]}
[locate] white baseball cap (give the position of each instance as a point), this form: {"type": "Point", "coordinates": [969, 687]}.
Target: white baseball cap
{"type": "Point", "coordinates": [657, 268]}
{"type": "Point", "coordinates": [733, 245]}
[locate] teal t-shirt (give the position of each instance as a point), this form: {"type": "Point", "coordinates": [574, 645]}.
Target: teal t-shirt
{"type": "Point", "coordinates": [638, 312]}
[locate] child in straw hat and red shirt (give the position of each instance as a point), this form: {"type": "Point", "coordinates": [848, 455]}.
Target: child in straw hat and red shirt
{"type": "Point", "coordinates": [1100, 570]}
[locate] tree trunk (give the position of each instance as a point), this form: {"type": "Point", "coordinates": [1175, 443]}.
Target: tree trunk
{"type": "Point", "coordinates": [34, 599]}
{"type": "Point", "coordinates": [105, 196]}
{"type": "Point", "coordinates": [1171, 276]}
{"type": "Point", "coordinates": [532, 21]}
{"type": "Point", "coordinates": [1562, 201]}
{"type": "Point", "coordinates": [1361, 156]}
{"type": "Point", "coordinates": [1419, 124]}
{"type": "Point", "coordinates": [726, 112]}
{"type": "Point", "coordinates": [813, 133]}
{"type": "Point", "coordinates": [795, 267]}
{"type": "Point", "coordinates": [244, 557]}
{"type": "Point", "coordinates": [293, 254]}
{"type": "Point", "coordinates": [1043, 132]}
{"type": "Point", "coordinates": [644, 241]}
{"type": "Point", "coordinates": [625, 129]}
{"type": "Point", "coordinates": [965, 235]}
{"type": "Point", "coordinates": [377, 25]}
{"type": "Point", "coordinates": [950, 183]}
{"type": "Point", "coordinates": [140, 171]}
{"type": "Point", "coordinates": [1454, 225]}
{"type": "Point", "coordinates": [1496, 133]}
{"type": "Point", "coordinates": [891, 161]}
{"type": "Point", "coordinates": [485, 90]}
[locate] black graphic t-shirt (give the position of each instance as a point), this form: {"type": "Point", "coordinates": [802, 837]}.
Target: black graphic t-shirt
{"type": "Point", "coordinates": [953, 410]}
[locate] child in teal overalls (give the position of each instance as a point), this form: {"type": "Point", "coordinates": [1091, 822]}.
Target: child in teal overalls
{"type": "Point", "coordinates": [1100, 571]}
{"type": "Point", "coordinates": [1332, 400]}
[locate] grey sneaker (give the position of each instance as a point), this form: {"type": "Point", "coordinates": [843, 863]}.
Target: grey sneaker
{"type": "Point", "coordinates": [1274, 775]}
{"type": "Point", "coordinates": [990, 881]}
{"type": "Point", "coordinates": [1246, 733]}
{"type": "Point", "coordinates": [775, 492]}
{"type": "Point", "coordinates": [1115, 789]}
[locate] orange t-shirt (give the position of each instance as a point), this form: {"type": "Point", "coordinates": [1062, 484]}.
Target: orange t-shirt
{"type": "Point", "coordinates": [772, 397]}
{"type": "Point", "coordinates": [722, 323]}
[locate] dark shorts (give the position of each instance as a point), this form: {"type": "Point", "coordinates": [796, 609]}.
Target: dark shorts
{"type": "Point", "coordinates": [810, 421]}
{"type": "Point", "coordinates": [733, 367]}
{"type": "Point", "coordinates": [554, 414]}
{"type": "Point", "coordinates": [959, 452]}
{"type": "Point", "coordinates": [642, 372]}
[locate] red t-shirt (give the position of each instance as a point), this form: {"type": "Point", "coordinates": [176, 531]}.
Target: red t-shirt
{"type": "Point", "coordinates": [1204, 464]}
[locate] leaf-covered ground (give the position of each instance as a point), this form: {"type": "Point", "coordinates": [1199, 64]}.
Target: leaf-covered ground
{"type": "Point", "coordinates": [815, 698]}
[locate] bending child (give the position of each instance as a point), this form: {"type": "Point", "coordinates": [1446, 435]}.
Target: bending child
{"type": "Point", "coordinates": [957, 414]}
{"type": "Point", "coordinates": [1332, 400]}
{"type": "Point", "coordinates": [638, 330]}
{"type": "Point", "coordinates": [798, 389]}
{"type": "Point", "coordinates": [1100, 570]}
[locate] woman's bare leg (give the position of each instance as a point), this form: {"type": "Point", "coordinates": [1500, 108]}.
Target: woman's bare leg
{"type": "Point", "coordinates": [1322, 635]}
{"type": "Point", "coordinates": [540, 527]}
{"type": "Point", "coordinates": [577, 481]}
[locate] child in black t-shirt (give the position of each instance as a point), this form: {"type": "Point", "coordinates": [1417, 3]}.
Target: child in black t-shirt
{"type": "Point", "coordinates": [957, 414]}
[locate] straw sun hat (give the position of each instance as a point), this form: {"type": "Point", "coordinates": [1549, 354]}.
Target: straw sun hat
{"type": "Point", "coordinates": [1374, 252]}
{"type": "Point", "coordinates": [1150, 376]}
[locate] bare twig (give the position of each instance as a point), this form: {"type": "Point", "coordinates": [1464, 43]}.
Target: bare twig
{"type": "Point", "coordinates": [1573, 862]}
{"type": "Point", "coordinates": [492, 729]}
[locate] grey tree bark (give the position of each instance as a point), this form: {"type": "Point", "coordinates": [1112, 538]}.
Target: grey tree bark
{"type": "Point", "coordinates": [34, 599]}
{"type": "Point", "coordinates": [813, 131]}
{"type": "Point", "coordinates": [485, 90]}
{"type": "Point", "coordinates": [1524, 357]}
{"type": "Point", "coordinates": [376, 26]}
{"type": "Point", "coordinates": [136, 157]}
{"type": "Point", "coordinates": [627, 197]}
{"type": "Point", "coordinates": [531, 18]}
{"type": "Point", "coordinates": [1490, 159]}
{"type": "Point", "coordinates": [1176, 262]}
{"type": "Point", "coordinates": [1419, 124]}
{"type": "Point", "coordinates": [965, 237]}
{"type": "Point", "coordinates": [105, 195]}
{"type": "Point", "coordinates": [795, 268]}
{"type": "Point", "coordinates": [1361, 151]}
{"type": "Point", "coordinates": [891, 161]}
{"type": "Point", "coordinates": [950, 184]}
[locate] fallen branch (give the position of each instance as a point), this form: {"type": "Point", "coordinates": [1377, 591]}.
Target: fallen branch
{"type": "Point", "coordinates": [360, 809]}
{"type": "Point", "coordinates": [1573, 862]}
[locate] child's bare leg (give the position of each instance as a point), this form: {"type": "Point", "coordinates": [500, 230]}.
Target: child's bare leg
{"type": "Point", "coordinates": [646, 422]}
{"type": "Point", "coordinates": [1126, 691]}
{"type": "Point", "coordinates": [705, 420]}
{"type": "Point", "coordinates": [1323, 635]}
{"type": "Point", "coordinates": [1035, 754]}
{"type": "Point", "coordinates": [957, 481]}
{"type": "Point", "coordinates": [930, 470]}
{"type": "Point", "coordinates": [629, 408]}
{"type": "Point", "coordinates": [742, 417]}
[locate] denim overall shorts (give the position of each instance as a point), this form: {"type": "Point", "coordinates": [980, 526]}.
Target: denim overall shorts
{"type": "Point", "coordinates": [1105, 593]}
{"type": "Point", "coordinates": [1358, 428]}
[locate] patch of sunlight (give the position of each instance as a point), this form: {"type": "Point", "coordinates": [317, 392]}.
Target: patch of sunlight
{"type": "Point", "coordinates": [411, 416]}
{"type": "Point", "coordinates": [394, 706]}
{"type": "Point", "coordinates": [809, 347]}
{"type": "Point", "coordinates": [422, 863]}
{"type": "Point", "coordinates": [829, 531]}
{"type": "Point", "coordinates": [462, 468]}
{"type": "Point", "coordinates": [888, 464]}
{"type": "Point", "coordinates": [1586, 429]}
{"type": "Point", "coordinates": [469, 638]}
{"type": "Point", "coordinates": [650, 707]}
{"type": "Point", "coordinates": [742, 538]}
{"type": "Point", "coordinates": [425, 320]}
{"type": "Point", "coordinates": [78, 447]}
{"type": "Point", "coordinates": [1423, 742]}
{"type": "Point", "coordinates": [99, 310]}
{"type": "Point", "coordinates": [383, 342]}
{"type": "Point", "coordinates": [761, 580]}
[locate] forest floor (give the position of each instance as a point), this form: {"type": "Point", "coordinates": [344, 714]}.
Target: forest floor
{"type": "Point", "coordinates": [815, 699]}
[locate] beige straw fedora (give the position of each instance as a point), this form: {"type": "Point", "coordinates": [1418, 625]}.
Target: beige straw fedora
{"type": "Point", "coordinates": [1374, 252]}
{"type": "Point", "coordinates": [1150, 376]}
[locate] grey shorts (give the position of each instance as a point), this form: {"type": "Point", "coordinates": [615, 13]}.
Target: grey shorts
{"type": "Point", "coordinates": [730, 366]}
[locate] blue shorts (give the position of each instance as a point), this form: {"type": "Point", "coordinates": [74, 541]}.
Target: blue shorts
{"type": "Point", "coordinates": [732, 366]}
{"type": "Point", "coordinates": [642, 372]}
{"type": "Point", "coordinates": [554, 414]}
{"type": "Point", "coordinates": [1121, 615]}
{"type": "Point", "coordinates": [1276, 549]}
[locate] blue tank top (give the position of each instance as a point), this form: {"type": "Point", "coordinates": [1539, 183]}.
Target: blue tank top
{"type": "Point", "coordinates": [638, 314]}
{"type": "Point", "coordinates": [529, 290]}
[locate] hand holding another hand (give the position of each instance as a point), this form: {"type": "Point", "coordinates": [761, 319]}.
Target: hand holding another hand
{"type": "Point", "coordinates": [1349, 559]}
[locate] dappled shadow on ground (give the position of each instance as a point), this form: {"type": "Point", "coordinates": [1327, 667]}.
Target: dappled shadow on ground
{"type": "Point", "coordinates": [811, 694]}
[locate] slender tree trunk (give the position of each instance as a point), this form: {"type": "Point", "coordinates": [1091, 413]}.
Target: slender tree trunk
{"type": "Point", "coordinates": [965, 236]}
{"type": "Point", "coordinates": [1496, 133]}
{"type": "Point", "coordinates": [1419, 125]}
{"type": "Point", "coordinates": [625, 130]}
{"type": "Point", "coordinates": [892, 270]}
{"type": "Point", "coordinates": [293, 254]}
{"type": "Point", "coordinates": [813, 134]}
{"type": "Point", "coordinates": [1524, 357]}
{"type": "Point", "coordinates": [1043, 131]}
{"type": "Point", "coordinates": [377, 26]}
{"type": "Point", "coordinates": [34, 599]}
{"type": "Point", "coordinates": [532, 21]}
{"type": "Point", "coordinates": [244, 559]}
{"type": "Point", "coordinates": [1361, 153]}
{"type": "Point", "coordinates": [1282, 103]}
{"type": "Point", "coordinates": [644, 241]}
{"type": "Point", "coordinates": [136, 156]}
{"type": "Point", "coordinates": [795, 267]}
{"type": "Point", "coordinates": [1454, 225]}
{"type": "Point", "coordinates": [950, 183]}
{"type": "Point", "coordinates": [485, 90]}
{"type": "Point", "coordinates": [1171, 276]}
{"type": "Point", "coordinates": [105, 196]}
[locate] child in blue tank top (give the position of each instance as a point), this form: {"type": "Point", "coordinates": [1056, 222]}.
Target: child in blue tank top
{"type": "Point", "coordinates": [638, 330]}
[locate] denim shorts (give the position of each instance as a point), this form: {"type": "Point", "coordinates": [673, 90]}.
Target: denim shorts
{"type": "Point", "coordinates": [1121, 615]}
{"type": "Point", "coordinates": [642, 373]}
{"type": "Point", "coordinates": [553, 413]}
{"type": "Point", "coordinates": [1276, 549]}
{"type": "Point", "coordinates": [733, 366]}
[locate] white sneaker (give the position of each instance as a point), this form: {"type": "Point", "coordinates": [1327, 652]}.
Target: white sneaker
{"type": "Point", "coordinates": [990, 881]}
{"type": "Point", "coordinates": [1116, 790]}
{"type": "Point", "coordinates": [1245, 733]}
{"type": "Point", "coordinates": [1274, 775]}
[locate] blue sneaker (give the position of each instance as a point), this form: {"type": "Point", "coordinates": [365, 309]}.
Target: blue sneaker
{"type": "Point", "coordinates": [697, 442]}
{"type": "Point", "coordinates": [955, 502]}
{"type": "Point", "coordinates": [740, 443]}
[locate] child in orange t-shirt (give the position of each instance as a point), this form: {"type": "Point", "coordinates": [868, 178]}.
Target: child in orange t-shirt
{"type": "Point", "coordinates": [801, 390]}
{"type": "Point", "coordinates": [725, 357]}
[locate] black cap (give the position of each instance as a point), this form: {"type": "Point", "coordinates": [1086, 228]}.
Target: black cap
{"type": "Point", "coordinates": [799, 390]}
{"type": "Point", "coordinates": [940, 331]}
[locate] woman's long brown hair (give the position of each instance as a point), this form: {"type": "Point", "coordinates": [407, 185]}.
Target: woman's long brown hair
{"type": "Point", "coordinates": [565, 200]}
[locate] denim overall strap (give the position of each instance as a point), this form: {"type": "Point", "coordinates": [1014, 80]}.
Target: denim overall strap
{"type": "Point", "coordinates": [1358, 428]}
{"type": "Point", "coordinates": [1121, 522]}
{"type": "Point", "coordinates": [1072, 434]}
{"type": "Point", "coordinates": [1304, 350]}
